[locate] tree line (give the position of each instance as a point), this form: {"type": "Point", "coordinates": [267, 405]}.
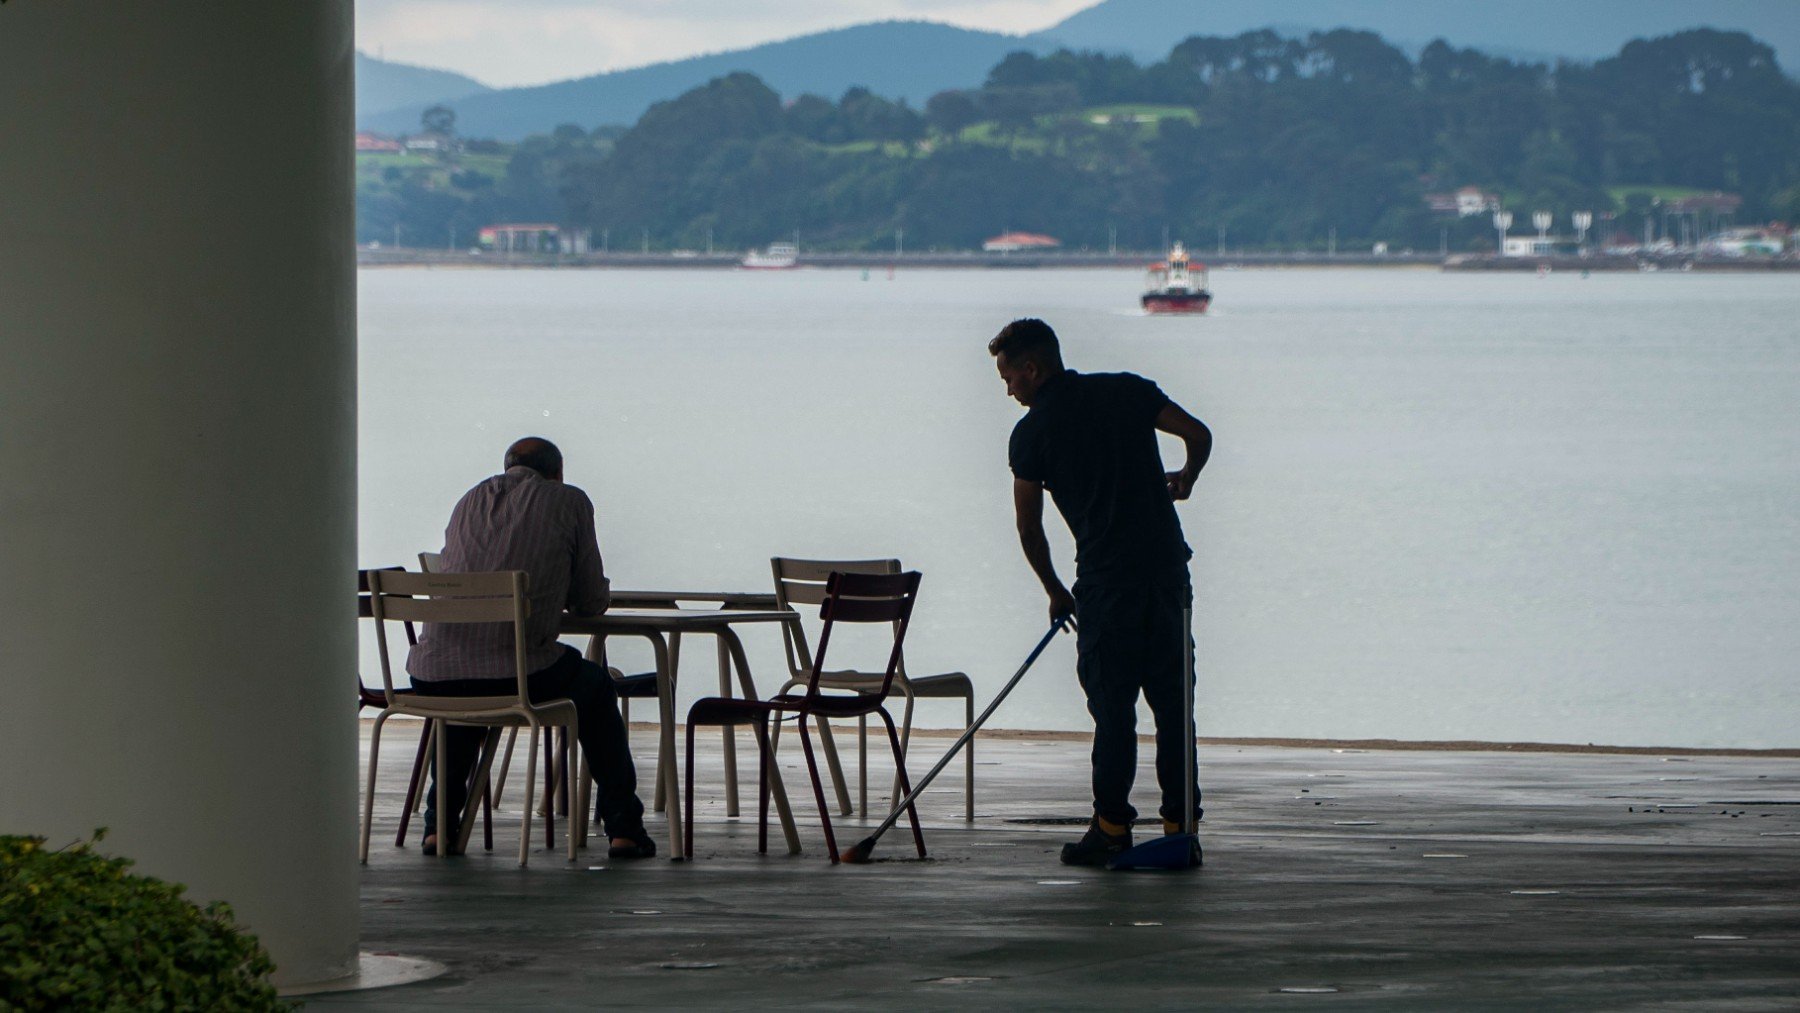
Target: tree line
{"type": "Point", "coordinates": [1271, 141]}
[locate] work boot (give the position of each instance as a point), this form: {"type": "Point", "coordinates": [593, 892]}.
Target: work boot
{"type": "Point", "coordinates": [1102, 841]}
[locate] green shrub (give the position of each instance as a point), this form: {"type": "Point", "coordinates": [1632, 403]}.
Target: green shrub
{"type": "Point", "coordinates": [77, 931]}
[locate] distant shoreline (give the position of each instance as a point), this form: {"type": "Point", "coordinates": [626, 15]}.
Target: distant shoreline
{"type": "Point", "coordinates": [462, 259]}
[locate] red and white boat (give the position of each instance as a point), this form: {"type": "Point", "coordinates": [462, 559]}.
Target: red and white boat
{"type": "Point", "coordinates": [1176, 285]}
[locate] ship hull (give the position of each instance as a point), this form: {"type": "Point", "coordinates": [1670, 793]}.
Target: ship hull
{"type": "Point", "coordinates": [1176, 302]}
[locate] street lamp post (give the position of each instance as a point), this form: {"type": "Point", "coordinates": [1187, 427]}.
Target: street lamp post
{"type": "Point", "coordinates": [1543, 220]}
{"type": "Point", "coordinates": [1583, 220]}
{"type": "Point", "coordinates": [1502, 222]}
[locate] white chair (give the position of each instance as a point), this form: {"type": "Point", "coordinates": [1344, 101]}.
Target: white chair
{"type": "Point", "coordinates": [802, 582]}
{"type": "Point", "coordinates": [464, 598]}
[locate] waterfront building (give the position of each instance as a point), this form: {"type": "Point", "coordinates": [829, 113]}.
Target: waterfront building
{"type": "Point", "coordinates": [368, 141]}
{"type": "Point", "coordinates": [1014, 242]}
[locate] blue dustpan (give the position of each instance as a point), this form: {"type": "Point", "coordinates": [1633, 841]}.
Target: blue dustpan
{"type": "Point", "coordinates": [1169, 851]}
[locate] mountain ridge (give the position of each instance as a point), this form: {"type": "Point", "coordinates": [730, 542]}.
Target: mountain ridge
{"type": "Point", "coordinates": [382, 85]}
{"type": "Point", "coordinates": [912, 60]}
{"type": "Point", "coordinates": [909, 60]}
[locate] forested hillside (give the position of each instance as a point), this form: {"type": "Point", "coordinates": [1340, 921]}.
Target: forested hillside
{"type": "Point", "coordinates": [1277, 141]}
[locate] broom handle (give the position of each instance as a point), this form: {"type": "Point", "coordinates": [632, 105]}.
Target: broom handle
{"type": "Point", "coordinates": [1188, 824]}
{"type": "Point", "coordinates": [1056, 627]}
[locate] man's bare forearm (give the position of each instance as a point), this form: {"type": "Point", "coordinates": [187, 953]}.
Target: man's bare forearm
{"type": "Point", "coordinates": [1037, 554]}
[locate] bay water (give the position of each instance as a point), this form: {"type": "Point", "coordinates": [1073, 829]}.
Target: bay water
{"type": "Point", "coordinates": [1441, 506]}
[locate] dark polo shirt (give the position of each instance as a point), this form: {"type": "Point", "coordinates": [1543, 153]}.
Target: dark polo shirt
{"type": "Point", "coordinates": [1091, 440]}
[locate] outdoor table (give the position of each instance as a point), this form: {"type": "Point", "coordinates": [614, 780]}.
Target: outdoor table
{"type": "Point", "coordinates": [656, 624]}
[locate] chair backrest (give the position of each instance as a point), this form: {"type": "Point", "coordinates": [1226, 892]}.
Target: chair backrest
{"type": "Point", "coordinates": [802, 582]}
{"type": "Point", "coordinates": [397, 596]}
{"type": "Point", "coordinates": [866, 598]}
{"type": "Point", "coordinates": [431, 562]}
{"type": "Point", "coordinates": [366, 695]}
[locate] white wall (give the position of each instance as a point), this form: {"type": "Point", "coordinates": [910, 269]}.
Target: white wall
{"type": "Point", "coordinates": [177, 499]}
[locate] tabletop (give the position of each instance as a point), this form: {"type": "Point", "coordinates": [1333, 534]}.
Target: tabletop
{"type": "Point", "coordinates": [632, 619]}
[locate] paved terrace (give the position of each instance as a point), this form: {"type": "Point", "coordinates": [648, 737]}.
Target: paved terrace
{"type": "Point", "coordinates": [1336, 877]}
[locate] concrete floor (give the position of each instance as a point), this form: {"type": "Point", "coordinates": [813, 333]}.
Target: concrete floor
{"type": "Point", "coordinates": [1355, 879]}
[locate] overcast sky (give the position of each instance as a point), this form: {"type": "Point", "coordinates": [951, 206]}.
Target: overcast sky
{"type": "Point", "coordinates": [513, 42]}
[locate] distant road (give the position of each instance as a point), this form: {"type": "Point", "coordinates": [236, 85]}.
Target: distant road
{"type": "Point", "coordinates": [1678, 261]}
{"type": "Point", "coordinates": [873, 261]}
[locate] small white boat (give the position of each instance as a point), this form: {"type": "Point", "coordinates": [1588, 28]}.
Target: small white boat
{"type": "Point", "coordinates": [778, 257]}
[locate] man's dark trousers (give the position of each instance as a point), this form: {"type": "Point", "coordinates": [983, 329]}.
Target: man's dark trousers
{"type": "Point", "coordinates": [602, 734]}
{"type": "Point", "coordinates": [1132, 639]}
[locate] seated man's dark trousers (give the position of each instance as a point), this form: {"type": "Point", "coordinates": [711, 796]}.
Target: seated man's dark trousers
{"type": "Point", "coordinates": [1131, 640]}
{"type": "Point", "coordinates": [602, 734]}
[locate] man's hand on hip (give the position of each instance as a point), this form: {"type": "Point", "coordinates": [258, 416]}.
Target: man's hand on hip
{"type": "Point", "coordinates": [1181, 484]}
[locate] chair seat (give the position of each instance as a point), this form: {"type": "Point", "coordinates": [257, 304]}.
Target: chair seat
{"type": "Point", "coordinates": [637, 686]}
{"type": "Point", "coordinates": [830, 706]}
{"type": "Point", "coordinates": [721, 710]}
{"type": "Point", "coordinates": [501, 711]}
{"type": "Point", "coordinates": [944, 684]}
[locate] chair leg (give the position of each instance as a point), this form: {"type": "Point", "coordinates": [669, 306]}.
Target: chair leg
{"type": "Point", "coordinates": [486, 793]}
{"type": "Point", "coordinates": [487, 819]}
{"type": "Point", "coordinates": [762, 785]}
{"type": "Point", "coordinates": [774, 746]}
{"type": "Point", "coordinates": [431, 730]}
{"type": "Point", "coordinates": [530, 789]}
{"type": "Point", "coordinates": [905, 744]}
{"type": "Point", "coordinates": [512, 735]}
{"type": "Point", "coordinates": [443, 793]}
{"type": "Point", "coordinates": [969, 759]}
{"type": "Point", "coordinates": [368, 822]}
{"type": "Point", "coordinates": [862, 765]}
{"type": "Point", "coordinates": [687, 805]}
{"type": "Point", "coordinates": [415, 788]}
{"type": "Point", "coordinates": [812, 768]}
{"type": "Point", "coordinates": [571, 775]}
{"type": "Point", "coordinates": [912, 810]}
{"type": "Point", "coordinates": [562, 770]}
{"type": "Point", "coordinates": [836, 768]}
{"type": "Point", "coordinates": [477, 794]}
{"type": "Point", "coordinates": [584, 806]}
{"type": "Point", "coordinates": [547, 809]}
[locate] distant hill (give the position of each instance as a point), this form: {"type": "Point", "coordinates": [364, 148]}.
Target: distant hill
{"type": "Point", "coordinates": [896, 59]}
{"type": "Point", "coordinates": [1540, 29]}
{"type": "Point", "coordinates": [382, 86]}
{"type": "Point", "coordinates": [914, 60]}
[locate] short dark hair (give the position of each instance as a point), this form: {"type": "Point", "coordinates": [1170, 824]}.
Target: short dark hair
{"type": "Point", "coordinates": [536, 453]}
{"type": "Point", "coordinates": [1028, 338]}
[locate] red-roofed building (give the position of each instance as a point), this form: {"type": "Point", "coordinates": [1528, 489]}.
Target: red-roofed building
{"type": "Point", "coordinates": [1013, 242]}
{"type": "Point", "coordinates": [366, 141]}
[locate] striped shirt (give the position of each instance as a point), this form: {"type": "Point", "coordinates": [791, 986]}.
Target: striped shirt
{"type": "Point", "coordinates": [515, 521]}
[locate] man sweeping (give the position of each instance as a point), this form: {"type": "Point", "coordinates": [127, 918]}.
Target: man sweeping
{"type": "Point", "coordinates": [1091, 440]}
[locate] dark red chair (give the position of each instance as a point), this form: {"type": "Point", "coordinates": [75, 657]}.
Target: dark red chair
{"type": "Point", "coordinates": [849, 598]}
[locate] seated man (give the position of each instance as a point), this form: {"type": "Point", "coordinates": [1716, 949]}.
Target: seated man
{"type": "Point", "coordinates": [527, 519]}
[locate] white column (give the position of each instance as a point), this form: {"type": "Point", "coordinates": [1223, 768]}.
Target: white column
{"type": "Point", "coordinates": [177, 471]}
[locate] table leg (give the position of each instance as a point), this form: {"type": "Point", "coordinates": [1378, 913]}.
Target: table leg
{"type": "Point", "coordinates": [730, 733]}
{"type": "Point", "coordinates": [659, 802]}
{"type": "Point", "coordinates": [776, 789]}
{"type": "Point", "coordinates": [668, 778]}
